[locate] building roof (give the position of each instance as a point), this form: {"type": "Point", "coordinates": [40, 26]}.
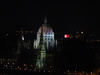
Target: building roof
{"type": "Point", "coordinates": [45, 28]}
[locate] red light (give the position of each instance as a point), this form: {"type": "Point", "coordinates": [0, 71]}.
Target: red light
{"type": "Point", "coordinates": [67, 36]}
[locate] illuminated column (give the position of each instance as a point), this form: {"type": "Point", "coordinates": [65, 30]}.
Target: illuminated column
{"type": "Point", "coordinates": [41, 54]}
{"type": "Point", "coordinates": [41, 58]}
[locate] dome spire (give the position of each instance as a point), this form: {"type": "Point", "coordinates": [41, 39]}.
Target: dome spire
{"type": "Point", "coordinates": [45, 20]}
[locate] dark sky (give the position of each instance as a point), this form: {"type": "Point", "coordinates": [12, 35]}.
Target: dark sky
{"type": "Point", "coordinates": [63, 16]}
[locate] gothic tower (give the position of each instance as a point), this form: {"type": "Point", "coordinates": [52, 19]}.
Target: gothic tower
{"type": "Point", "coordinates": [25, 50]}
{"type": "Point", "coordinates": [41, 54]}
{"type": "Point", "coordinates": [44, 44]}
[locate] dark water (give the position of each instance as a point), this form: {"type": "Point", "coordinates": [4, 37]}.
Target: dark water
{"type": "Point", "coordinates": [28, 74]}
{"type": "Point", "coordinates": [6, 74]}
{"type": "Point", "coordinates": [9, 74]}
{"type": "Point", "coordinates": [31, 74]}
{"type": "Point", "coordinates": [17, 72]}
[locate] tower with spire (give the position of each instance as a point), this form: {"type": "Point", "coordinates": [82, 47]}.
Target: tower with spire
{"type": "Point", "coordinates": [24, 51]}
{"type": "Point", "coordinates": [44, 44]}
{"type": "Point", "coordinates": [20, 42]}
{"type": "Point", "coordinates": [41, 55]}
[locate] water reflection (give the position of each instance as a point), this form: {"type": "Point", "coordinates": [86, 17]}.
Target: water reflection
{"type": "Point", "coordinates": [7, 74]}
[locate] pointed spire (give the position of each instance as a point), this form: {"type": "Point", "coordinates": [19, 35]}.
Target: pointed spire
{"type": "Point", "coordinates": [41, 36]}
{"type": "Point", "coordinates": [45, 20]}
{"type": "Point", "coordinates": [22, 34]}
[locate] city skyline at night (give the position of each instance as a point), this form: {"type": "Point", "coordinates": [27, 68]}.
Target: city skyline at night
{"type": "Point", "coordinates": [50, 37]}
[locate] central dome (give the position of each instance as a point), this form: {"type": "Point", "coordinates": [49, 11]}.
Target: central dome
{"type": "Point", "coordinates": [47, 36]}
{"type": "Point", "coordinates": [45, 29]}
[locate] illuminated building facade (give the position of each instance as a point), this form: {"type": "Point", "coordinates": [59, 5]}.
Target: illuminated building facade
{"type": "Point", "coordinates": [48, 36]}
{"type": "Point", "coordinates": [39, 52]}
{"type": "Point", "coordinates": [44, 44]}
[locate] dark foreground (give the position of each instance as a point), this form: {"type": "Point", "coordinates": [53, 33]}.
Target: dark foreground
{"type": "Point", "coordinates": [17, 72]}
{"type": "Point", "coordinates": [23, 72]}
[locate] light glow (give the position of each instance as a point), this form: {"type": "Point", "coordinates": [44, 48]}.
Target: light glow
{"type": "Point", "coordinates": [67, 36]}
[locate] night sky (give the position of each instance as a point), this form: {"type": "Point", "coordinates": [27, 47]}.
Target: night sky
{"type": "Point", "coordinates": [63, 17]}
